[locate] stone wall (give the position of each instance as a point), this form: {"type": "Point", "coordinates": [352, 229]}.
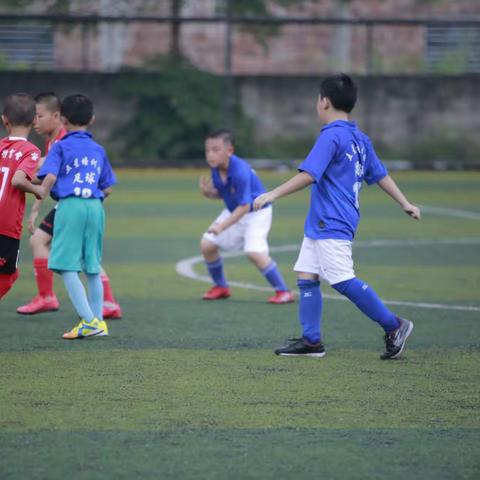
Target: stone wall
{"type": "Point", "coordinates": [395, 111]}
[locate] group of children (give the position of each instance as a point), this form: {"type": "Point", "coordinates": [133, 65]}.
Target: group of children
{"type": "Point", "coordinates": [77, 173]}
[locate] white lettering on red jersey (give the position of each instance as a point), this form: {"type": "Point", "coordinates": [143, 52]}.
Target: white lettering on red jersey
{"type": "Point", "coordinates": [16, 153]}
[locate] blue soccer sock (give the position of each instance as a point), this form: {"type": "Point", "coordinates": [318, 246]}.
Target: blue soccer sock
{"type": "Point", "coordinates": [77, 294]}
{"type": "Point", "coordinates": [310, 309]}
{"type": "Point", "coordinates": [215, 269]}
{"type": "Point", "coordinates": [274, 277]}
{"type": "Point", "coordinates": [366, 299]}
{"type": "Point", "coordinates": [95, 294]}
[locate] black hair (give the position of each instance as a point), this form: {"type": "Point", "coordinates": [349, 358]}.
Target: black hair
{"type": "Point", "coordinates": [50, 99]}
{"type": "Point", "coordinates": [19, 109]}
{"type": "Point", "coordinates": [223, 133]}
{"type": "Point", "coordinates": [77, 109]}
{"type": "Point", "coordinates": [341, 91]}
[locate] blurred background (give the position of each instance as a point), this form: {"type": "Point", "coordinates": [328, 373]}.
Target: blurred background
{"type": "Point", "coordinates": [164, 73]}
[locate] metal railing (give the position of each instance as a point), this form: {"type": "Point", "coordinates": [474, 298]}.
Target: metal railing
{"type": "Point", "coordinates": [236, 45]}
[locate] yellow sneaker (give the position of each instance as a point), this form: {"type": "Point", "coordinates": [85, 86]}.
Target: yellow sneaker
{"type": "Point", "coordinates": [96, 328]}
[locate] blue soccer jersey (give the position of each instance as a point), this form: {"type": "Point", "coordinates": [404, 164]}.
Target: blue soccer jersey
{"type": "Point", "coordinates": [80, 165]}
{"type": "Point", "coordinates": [242, 184]}
{"type": "Point", "coordinates": [341, 159]}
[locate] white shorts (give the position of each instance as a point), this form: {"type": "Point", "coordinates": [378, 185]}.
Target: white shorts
{"type": "Point", "coordinates": [330, 259]}
{"type": "Point", "coordinates": [249, 234]}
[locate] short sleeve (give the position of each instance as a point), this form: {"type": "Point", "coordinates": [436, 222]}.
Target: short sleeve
{"type": "Point", "coordinates": [320, 155]}
{"type": "Point", "coordinates": [242, 184]}
{"type": "Point", "coordinates": [29, 162]}
{"type": "Point", "coordinates": [375, 169]}
{"type": "Point", "coordinates": [52, 163]}
{"type": "Point", "coordinates": [107, 177]}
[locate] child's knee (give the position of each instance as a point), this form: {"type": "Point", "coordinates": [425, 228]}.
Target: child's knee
{"type": "Point", "coordinates": [206, 246]}
{"type": "Point", "coordinates": [342, 287]}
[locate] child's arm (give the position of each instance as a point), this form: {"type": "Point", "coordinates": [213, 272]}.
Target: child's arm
{"type": "Point", "coordinates": [299, 181]}
{"type": "Point", "coordinates": [48, 182]}
{"type": "Point", "coordinates": [389, 186]}
{"type": "Point", "coordinates": [236, 215]}
{"type": "Point", "coordinates": [21, 182]}
{"type": "Point", "coordinates": [34, 211]}
{"type": "Point", "coordinates": [207, 188]}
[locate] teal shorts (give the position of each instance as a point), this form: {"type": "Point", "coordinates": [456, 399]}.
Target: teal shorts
{"type": "Point", "coordinates": [78, 236]}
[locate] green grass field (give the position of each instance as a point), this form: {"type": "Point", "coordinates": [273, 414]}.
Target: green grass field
{"type": "Point", "coordinates": [185, 389]}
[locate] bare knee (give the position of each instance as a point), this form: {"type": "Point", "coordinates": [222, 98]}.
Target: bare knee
{"type": "Point", "coordinates": [40, 243]}
{"type": "Point", "coordinates": [260, 260]}
{"type": "Point", "coordinates": [307, 276]}
{"type": "Point", "coordinates": [209, 250]}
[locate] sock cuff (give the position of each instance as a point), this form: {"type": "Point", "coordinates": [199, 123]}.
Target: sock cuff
{"type": "Point", "coordinates": [271, 266]}
{"type": "Point", "coordinates": [216, 263]}
{"type": "Point", "coordinates": [40, 262]}
{"type": "Point", "coordinates": [305, 283]}
{"type": "Point", "coordinates": [341, 287]}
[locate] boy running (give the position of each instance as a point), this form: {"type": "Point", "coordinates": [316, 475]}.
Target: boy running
{"type": "Point", "coordinates": [18, 164]}
{"type": "Point", "coordinates": [237, 227]}
{"type": "Point", "coordinates": [48, 123]}
{"type": "Point", "coordinates": [341, 159]}
{"type": "Point", "coordinates": [79, 176]}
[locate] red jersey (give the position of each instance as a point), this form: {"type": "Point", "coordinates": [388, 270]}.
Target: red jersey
{"type": "Point", "coordinates": [49, 143]}
{"type": "Point", "coordinates": [16, 153]}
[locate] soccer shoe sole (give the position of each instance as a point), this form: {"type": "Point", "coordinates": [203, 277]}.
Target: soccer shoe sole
{"type": "Point", "coordinates": [409, 331]}
{"type": "Point", "coordinates": [314, 355]}
{"type": "Point", "coordinates": [39, 311]}
{"type": "Point", "coordinates": [94, 333]}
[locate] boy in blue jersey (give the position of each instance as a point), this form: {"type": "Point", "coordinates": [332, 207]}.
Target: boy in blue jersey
{"type": "Point", "coordinates": [78, 175]}
{"type": "Point", "coordinates": [341, 159]}
{"type": "Point", "coordinates": [237, 227]}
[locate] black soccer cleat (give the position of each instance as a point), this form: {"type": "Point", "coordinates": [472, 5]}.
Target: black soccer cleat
{"type": "Point", "coordinates": [299, 347]}
{"type": "Point", "coordinates": [395, 341]}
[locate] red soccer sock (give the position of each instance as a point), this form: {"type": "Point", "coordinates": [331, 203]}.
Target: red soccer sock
{"type": "Point", "coordinates": [107, 289]}
{"type": "Point", "coordinates": [44, 277]}
{"type": "Point", "coordinates": [6, 282]}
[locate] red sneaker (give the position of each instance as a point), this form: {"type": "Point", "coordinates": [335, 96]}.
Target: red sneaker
{"type": "Point", "coordinates": [39, 304]}
{"type": "Point", "coordinates": [282, 297]}
{"type": "Point", "coordinates": [216, 292]}
{"type": "Point", "coordinates": [112, 310]}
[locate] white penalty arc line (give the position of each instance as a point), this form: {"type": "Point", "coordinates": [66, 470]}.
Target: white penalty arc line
{"type": "Point", "coordinates": [450, 212]}
{"type": "Point", "coordinates": [185, 268]}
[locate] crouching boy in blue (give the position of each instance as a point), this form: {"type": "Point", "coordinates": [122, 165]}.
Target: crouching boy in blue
{"type": "Point", "coordinates": [237, 227]}
{"type": "Point", "coordinates": [79, 176]}
{"type": "Point", "coordinates": [341, 159]}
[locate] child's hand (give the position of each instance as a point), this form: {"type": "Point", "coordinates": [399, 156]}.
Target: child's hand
{"type": "Point", "coordinates": [262, 199]}
{"type": "Point", "coordinates": [39, 192]}
{"type": "Point", "coordinates": [215, 229]}
{"type": "Point", "coordinates": [207, 188]}
{"type": "Point", "coordinates": [412, 210]}
{"type": "Point", "coordinates": [31, 220]}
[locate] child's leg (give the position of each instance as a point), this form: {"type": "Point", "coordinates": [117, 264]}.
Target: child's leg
{"type": "Point", "coordinates": [107, 289]}
{"type": "Point", "coordinates": [78, 296]}
{"type": "Point", "coordinates": [95, 294]}
{"type": "Point", "coordinates": [366, 299]}
{"type": "Point", "coordinates": [6, 282]}
{"type": "Point", "coordinates": [40, 243]}
{"type": "Point", "coordinates": [310, 306]}
{"type": "Point", "coordinates": [214, 262]}
{"type": "Point", "coordinates": [269, 270]}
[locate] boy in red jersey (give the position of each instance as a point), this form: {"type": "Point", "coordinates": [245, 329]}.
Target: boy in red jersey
{"type": "Point", "coordinates": [49, 124]}
{"type": "Point", "coordinates": [18, 164]}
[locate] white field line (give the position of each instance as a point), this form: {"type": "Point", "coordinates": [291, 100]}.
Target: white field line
{"type": "Point", "coordinates": [450, 212]}
{"type": "Point", "coordinates": [185, 268]}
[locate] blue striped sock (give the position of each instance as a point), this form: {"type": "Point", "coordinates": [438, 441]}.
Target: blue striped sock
{"type": "Point", "coordinates": [215, 269]}
{"type": "Point", "coordinates": [310, 309]}
{"type": "Point", "coordinates": [366, 299]}
{"type": "Point", "coordinates": [274, 277]}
